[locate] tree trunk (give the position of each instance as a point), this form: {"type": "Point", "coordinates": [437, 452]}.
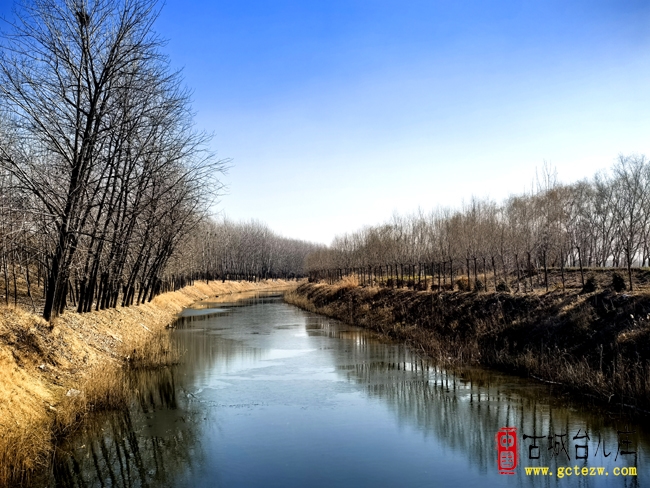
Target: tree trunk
{"type": "Point", "coordinates": [582, 273]}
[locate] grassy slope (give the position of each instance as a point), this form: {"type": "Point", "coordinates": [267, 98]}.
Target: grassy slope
{"type": "Point", "coordinates": [41, 366]}
{"type": "Point", "coordinates": [556, 336]}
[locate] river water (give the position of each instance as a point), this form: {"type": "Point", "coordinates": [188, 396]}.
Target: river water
{"type": "Point", "coordinates": [268, 395]}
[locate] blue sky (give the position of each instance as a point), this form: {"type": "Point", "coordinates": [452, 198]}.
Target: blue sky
{"type": "Point", "coordinates": [338, 113]}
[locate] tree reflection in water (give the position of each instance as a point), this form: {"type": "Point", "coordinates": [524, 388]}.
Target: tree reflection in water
{"type": "Point", "coordinates": [154, 443]}
{"type": "Point", "coordinates": [465, 409]}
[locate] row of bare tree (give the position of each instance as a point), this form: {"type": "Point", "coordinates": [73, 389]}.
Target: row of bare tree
{"type": "Point", "coordinates": [243, 251]}
{"type": "Point", "coordinates": [102, 173]}
{"type": "Point", "coordinates": [599, 222]}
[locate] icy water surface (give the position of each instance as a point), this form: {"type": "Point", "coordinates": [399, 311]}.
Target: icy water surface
{"type": "Point", "coordinates": [271, 396]}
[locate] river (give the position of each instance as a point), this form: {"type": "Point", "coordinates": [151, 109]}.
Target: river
{"type": "Point", "coordinates": [268, 395]}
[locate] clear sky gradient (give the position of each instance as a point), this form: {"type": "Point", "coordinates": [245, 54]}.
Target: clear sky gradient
{"type": "Point", "coordinates": [338, 113]}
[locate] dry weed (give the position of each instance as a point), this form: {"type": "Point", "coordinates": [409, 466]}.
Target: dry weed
{"type": "Point", "coordinates": [347, 282]}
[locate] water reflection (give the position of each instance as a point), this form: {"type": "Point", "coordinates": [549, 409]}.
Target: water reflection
{"type": "Point", "coordinates": [268, 395]}
{"type": "Point", "coordinates": [154, 443]}
{"type": "Point", "coordinates": [465, 409]}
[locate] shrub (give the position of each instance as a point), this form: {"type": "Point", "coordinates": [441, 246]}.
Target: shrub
{"type": "Point", "coordinates": [618, 282]}
{"type": "Point", "coordinates": [590, 285]}
{"type": "Point", "coordinates": [348, 281]}
{"type": "Point", "coordinates": [463, 284]}
{"type": "Point", "coordinates": [421, 286]}
{"type": "Point", "coordinates": [503, 286]}
{"type": "Point", "coordinates": [479, 286]}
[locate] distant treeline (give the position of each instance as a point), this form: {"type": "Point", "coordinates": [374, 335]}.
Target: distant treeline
{"type": "Point", "coordinates": [104, 181]}
{"type": "Point", "coordinates": [599, 222]}
{"type": "Point", "coordinates": [242, 251]}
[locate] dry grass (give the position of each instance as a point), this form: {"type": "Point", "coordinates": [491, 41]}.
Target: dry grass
{"type": "Point", "coordinates": [300, 301]}
{"type": "Point", "coordinates": [348, 281]}
{"type": "Point", "coordinates": [53, 375]}
{"type": "Point", "coordinates": [101, 388]}
{"type": "Point", "coordinates": [152, 352]}
{"type": "Point", "coordinates": [25, 397]}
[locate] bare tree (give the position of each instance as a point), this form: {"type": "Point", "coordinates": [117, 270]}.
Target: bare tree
{"type": "Point", "coordinates": [598, 222]}
{"type": "Point", "coordinates": [631, 187]}
{"type": "Point", "coordinates": [106, 147]}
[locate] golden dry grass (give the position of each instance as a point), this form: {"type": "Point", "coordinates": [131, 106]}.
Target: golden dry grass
{"type": "Point", "coordinates": [348, 281]}
{"type": "Point", "coordinates": [52, 375]}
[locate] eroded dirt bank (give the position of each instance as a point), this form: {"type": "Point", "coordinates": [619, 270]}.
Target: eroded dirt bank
{"type": "Point", "coordinates": [53, 374]}
{"type": "Point", "coordinates": [595, 344]}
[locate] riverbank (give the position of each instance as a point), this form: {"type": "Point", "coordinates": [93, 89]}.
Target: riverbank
{"type": "Point", "coordinates": [594, 344]}
{"type": "Point", "coordinates": [54, 374]}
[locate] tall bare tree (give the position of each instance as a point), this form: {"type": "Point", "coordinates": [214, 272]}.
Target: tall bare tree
{"type": "Point", "coordinates": [106, 146]}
